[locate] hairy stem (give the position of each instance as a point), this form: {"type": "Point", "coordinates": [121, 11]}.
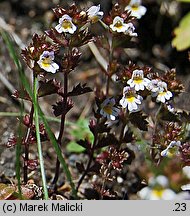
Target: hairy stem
{"type": "Point", "coordinates": [85, 172]}
{"type": "Point", "coordinates": [155, 130]}
{"type": "Point", "coordinates": [62, 127]}
{"type": "Point", "coordinates": [26, 145]}
{"type": "Point", "coordinates": [90, 160]}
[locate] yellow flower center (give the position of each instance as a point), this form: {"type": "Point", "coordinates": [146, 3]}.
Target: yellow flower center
{"type": "Point", "coordinates": [108, 109]}
{"type": "Point", "coordinates": [135, 7]}
{"type": "Point", "coordinates": [137, 80]}
{"type": "Point", "coordinates": [130, 98]}
{"type": "Point", "coordinates": [46, 62]}
{"type": "Point", "coordinates": [162, 94]}
{"type": "Point", "coordinates": [158, 192]}
{"type": "Point", "coordinates": [94, 19]}
{"type": "Point", "coordinates": [118, 24]}
{"type": "Point", "coordinates": [66, 24]}
{"type": "Point", "coordinates": [172, 152]}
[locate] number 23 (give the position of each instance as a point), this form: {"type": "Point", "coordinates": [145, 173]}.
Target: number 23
{"type": "Point", "coordinates": [180, 207]}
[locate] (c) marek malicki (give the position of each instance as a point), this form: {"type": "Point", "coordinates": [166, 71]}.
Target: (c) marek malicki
{"type": "Point", "coordinates": [66, 207]}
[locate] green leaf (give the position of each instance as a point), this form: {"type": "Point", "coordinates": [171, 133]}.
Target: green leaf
{"type": "Point", "coordinates": [80, 131]}
{"type": "Point", "coordinates": [74, 147]}
{"type": "Point", "coordinates": [39, 144]}
{"type": "Point", "coordinates": [182, 34]}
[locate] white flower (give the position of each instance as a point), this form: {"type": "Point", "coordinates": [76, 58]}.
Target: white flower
{"type": "Point", "coordinates": [108, 110]}
{"type": "Point", "coordinates": [153, 86]}
{"type": "Point", "coordinates": [130, 99]}
{"type": "Point", "coordinates": [148, 193]}
{"type": "Point", "coordinates": [185, 187]}
{"type": "Point", "coordinates": [171, 108]}
{"type": "Point", "coordinates": [159, 90]}
{"type": "Point", "coordinates": [137, 10]}
{"type": "Point", "coordinates": [186, 171]}
{"type": "Point", "coordinates": [46, 62]}
{"type": "Point", "coordinates": [163, 93]}
{"type": "Point", "coordinates": [94, 13]}
{"type": "Point", "coordinates": [118, 25]}
{"type": "Point", "coordinates": [66, 25]}
{"type": "Point", "coordinates": [167, 151]}
{"type": "Point", "coordinates": [138, 81]}
{"type": "Point", "coordinates": [130, 30]}
{"type": "Point", "coordinates": [163, 96]}
{"type": "Point", "coordinates": [157, 189]}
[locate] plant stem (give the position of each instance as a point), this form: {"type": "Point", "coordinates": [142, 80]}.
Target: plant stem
{"type": "Point", "coordinates": [154, 131]}
{"type": "Point", "coordinates": [122, 132]}
{"type": "Point", "coordinates": [62, 127]}
{"type": "Point", "coordinates": [59, 153]}
{"type": "Point", "coordinates": [26, 144]}
{"type": "Point", "coordinates": [90, 160]}
{"type": "Point", "coordinates": [107, 85]}
{"type": "Point", "coordinates": [85, 172]}
{"type": "Point", "coordinates": [109, 68]}
{"type": "Point", "coordinates": [18, 153]}
{"type": "Point", "coordinates": [104, 180]}
{"type": "Point", "coordinates": [36, 120]}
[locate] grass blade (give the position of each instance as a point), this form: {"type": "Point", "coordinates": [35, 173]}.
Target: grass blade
{"type": "Point", "coordinates": [18, 155]}
{"type": "Point", "coordinates": [40, 154]}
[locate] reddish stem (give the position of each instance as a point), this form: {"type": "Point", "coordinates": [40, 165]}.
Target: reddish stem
{"type": "Point", "coordinates": [26, 144]}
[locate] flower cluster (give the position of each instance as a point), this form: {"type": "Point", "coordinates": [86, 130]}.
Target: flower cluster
{"type": "Point", "coordinates": [185, 153]}
{"type": "Point", "coordinates": [159, 90]}
{"type": "Point", "coordinates": [120, 22]}
{"type": "Point", "coordinates": [140, 83]}
{"type": "Point", "coordinates": [112, 158]}
{"type": "Point", "coordinates": [39, 55]}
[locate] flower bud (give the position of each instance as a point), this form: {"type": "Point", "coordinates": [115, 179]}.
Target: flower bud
{"type": "Point", "coordinates": [26, 120]}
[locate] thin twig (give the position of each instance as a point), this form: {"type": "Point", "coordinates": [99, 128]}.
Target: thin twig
{"type": "Point", "coordinates": [100, 59]}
